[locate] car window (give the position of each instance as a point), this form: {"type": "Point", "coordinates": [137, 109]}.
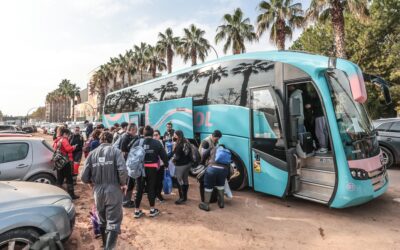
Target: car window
{"type": "Point", "coordinates": [47, 145]}
{"type": "Point", "coordinates": [13, 152]}
{"type": "Point", "coordinates": [395, 127]}
{"type": "Point", "coordinates": [384, 126]}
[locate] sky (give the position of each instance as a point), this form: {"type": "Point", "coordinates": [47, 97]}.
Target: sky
{"type": "Point", "coordinates": [45, 41]}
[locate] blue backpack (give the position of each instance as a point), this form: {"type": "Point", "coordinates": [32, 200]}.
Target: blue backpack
{"type": "Point", "coordinates": [223, 156]}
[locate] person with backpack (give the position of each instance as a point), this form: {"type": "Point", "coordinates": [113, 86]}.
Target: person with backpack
{"type": "Point", "coordinates": [120, 132]}
{"type": "Point", "coordinates": [216, 173]}
{"type": "Point", "coordinates": [62, 143]}
{"type": "Point", "coordinates": [106, 172]}
{"type": "Point", "coordinates": [161, 170]}
{"type": "Point", "coordinates": [127, 140]}
{"type": "Point", "coordinates": [208, 144]}
{"type": "Point", "coordinates": [153, 152]}
{"type": "Point", "coordinates": [182, 160]}
{"type": "Point", "coordinates": [76, 140]}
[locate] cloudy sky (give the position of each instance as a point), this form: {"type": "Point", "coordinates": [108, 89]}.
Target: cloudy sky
{"type": "Point", "coordinates": [45, 41]}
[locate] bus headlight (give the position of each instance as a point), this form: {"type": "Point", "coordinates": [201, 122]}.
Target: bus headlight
{"type": "Point", "coordinates": [359, 174]}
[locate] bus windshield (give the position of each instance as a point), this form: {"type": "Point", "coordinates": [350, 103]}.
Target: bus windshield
{"type": "Point", "coordinates": [356, 131]}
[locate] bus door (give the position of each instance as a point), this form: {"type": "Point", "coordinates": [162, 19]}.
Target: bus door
{"type": "Point", "coordinates": [177, 111]}
{"type": "Point", "coordinates": [270, 169]}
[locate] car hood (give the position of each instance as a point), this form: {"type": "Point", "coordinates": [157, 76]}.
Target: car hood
{"type": "Point", "coordinates": [17, 194]}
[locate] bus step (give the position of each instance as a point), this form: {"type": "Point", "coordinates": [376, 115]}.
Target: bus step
{"type": "Point", "coordinates": [320, 162]}
{"type": "Point", "coordinates": [322, 177]}
{"type": "Point", "coordinates": [315, 191]}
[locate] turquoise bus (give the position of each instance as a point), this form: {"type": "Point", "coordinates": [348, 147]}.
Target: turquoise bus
{"type": "Point", "coordinates": [271, 135]}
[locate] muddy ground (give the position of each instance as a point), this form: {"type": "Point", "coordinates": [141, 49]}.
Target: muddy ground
{"type": "Point", "coordinates": [251, 221]}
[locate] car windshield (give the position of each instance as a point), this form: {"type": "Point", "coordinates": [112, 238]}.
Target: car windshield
{"type": "Point", "coordinates": [356, 130]}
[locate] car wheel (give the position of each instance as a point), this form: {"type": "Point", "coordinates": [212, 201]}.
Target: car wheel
{"type": "Point", "coordinates": [43, 178]}
{"type": "Point", "coordinates": [388, 158]}
{"type": "Point", "coordinates": [239, 176]}
{"type": "Point", "coordinates": [18, 239]}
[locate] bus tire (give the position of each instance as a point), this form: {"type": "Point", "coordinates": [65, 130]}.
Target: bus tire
{"type": "Point", "coordinates": [238, 180]}
{"type": "Point", "coordinates": [388, 157]}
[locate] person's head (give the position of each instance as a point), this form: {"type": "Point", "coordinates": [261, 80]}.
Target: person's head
{"type": "Point", "coordinates": [124, 125]}
{"type": "Point", "coordinates": [77, 130]}
{"type": "Point", "coordinates": [64, 131]}
{"type": "Point", "coordinates": [58, 130]}
{"type": "Point", "coordinates": [157, 134]}
{"type": "Point", "coordinates": [96, 134]}
{"type": "Point", "coordinates": [106, 137]}
{"type": "Point", "coordinates": [148, 131]}
{"type": "Point", "coordinates": [86, 122]}
{"type": "Point", "coordinates": [116, 125]}
{"type": "Point", "coordinates": [216, 135]}
{"type": "Point", "coordinates": [113, 129]}
{"type": "Point", "coordinates": [169, 126]}
{"type": "Point", "coordinates": [132, 129]}
{"type": "Point", "coordinates": [178, 136]}
{"type": "Point", "coordinates": [100, 127]}
{"type": "Point", "coordinates": [106, 129]}
{"type": "Point", "coordinates": [141, 131]}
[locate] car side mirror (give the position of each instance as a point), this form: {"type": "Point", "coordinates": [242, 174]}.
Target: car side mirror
{"type": "Point", "coordinates": [383, 85]}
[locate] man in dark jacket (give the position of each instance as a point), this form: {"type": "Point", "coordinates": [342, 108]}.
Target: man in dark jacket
{"type": "Point", "coordinates": [89, 129]}
{"type": "Point", "coordinates": [169, 133]}
{"type": "Point", "coordinates": [127, 141]}
{"type": "Point", "coordinates": [76, 139]}
{"type": "Point", "coordinates": [154, 152]}
{"type": "Point", "coordinates": [106, 172]}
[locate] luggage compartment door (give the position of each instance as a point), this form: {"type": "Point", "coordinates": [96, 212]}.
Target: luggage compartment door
{"type": "Point", "coordinates": [178, 111]}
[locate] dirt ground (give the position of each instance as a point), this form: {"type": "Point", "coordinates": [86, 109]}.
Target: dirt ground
{"type": "Point", "coordinates": [251, 221]}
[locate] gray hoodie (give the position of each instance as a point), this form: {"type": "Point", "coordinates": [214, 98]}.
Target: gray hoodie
{"type": "Point", "coordinates": [105, 166]}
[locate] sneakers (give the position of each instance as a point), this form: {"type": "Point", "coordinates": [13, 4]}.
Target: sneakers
{"type": "Point", "coordinates": [129, 204]}
{"type": "Point", "coordinates": [322, 151]}
{"type": "Point", "coordinates": [154, 212]}
{"type": "Point", "coordinates": [138, 214]}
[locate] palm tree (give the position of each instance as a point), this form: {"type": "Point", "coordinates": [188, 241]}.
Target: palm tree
{"type": "Point", "coordinates": [213, 76]}
{"type": "Point", "coordinates": [235, 30]}
{"type": "Point", "coordinates": [282, 17]}
{"type": "Point", "coordinates": [112, 68]}
{"type": "Point", "coordinates": [140, 58]}
{"type": "Point", "coordinates": [155, 60]}
{"type": "Point", "coordinates": [98, 84]}
{"type": "Point", "coordinates": [324, 9]}
{"type": "Point", "coordinates": [194, 45]}
{"type": "Point", "coordinates": [247, 69]}
{"type": "Point", "coordinates": [189, 77]}
{"type": "Point", "coordinates": [168, 44]}
{"type": "Point", "coordinates": [130, 66]}
{"type": "Point", "coordinates": [166, 88]}
{"type": "Point", "coordinates": [122, 68]}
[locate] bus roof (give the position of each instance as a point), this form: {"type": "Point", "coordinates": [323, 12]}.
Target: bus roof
{"type": "Point", "coordinates": [309, 63]}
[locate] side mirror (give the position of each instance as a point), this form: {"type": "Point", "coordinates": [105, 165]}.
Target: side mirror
{"type": "Point", "coordinates": [382, 84]}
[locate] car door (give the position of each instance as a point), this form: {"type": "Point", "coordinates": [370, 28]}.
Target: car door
{"type": "Point", "coordinates": [393, 138]}
{"type": "Point", "coordinates": [15, 160]}
{"type": "Point", "coordinates": [270, 169]}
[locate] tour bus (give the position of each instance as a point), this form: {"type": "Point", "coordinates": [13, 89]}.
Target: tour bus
{"type": "Point", "coordinates": [250, 99]}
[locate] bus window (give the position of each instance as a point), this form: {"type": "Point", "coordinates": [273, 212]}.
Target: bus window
{"type": "Point", "coordinates": [231, 80]}
{"type": "Point", "coordinates": [199, 86]}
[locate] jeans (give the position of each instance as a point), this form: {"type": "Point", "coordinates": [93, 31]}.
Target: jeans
{"type": "Point", "coordinates": [149, 181]}
{"type": "Point", "coordinates": [215, 177]}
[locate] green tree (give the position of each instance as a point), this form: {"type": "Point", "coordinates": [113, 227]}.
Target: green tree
{"type": "Point", "coordinates": [141, 60]}
{"type": "Point", "coordinates": [281, 17]}
{"type": "Point", "coordinates": [333, 10]}
{"type": "Point", "coordinates": [235, 31]}
{"type": "Point", "coordinates": [155, 60]}
{"type": "Point", "coordinates": [168, 44]}
{"type": "Point", "coordinates": [194, 45]}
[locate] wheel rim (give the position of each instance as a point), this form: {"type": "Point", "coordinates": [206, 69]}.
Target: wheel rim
{"type": "Point", "coordinates": [16, 244]}
{"type": "Point", "coordinates": [43, 180]}
{"type": "Point", "coordinates": [385, 157]}
{"type": "Point", "coordinates": [236, 173]}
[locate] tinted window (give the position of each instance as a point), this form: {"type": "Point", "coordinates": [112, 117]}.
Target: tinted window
{"type": "Point", "coordinates": [384, 126]}
{"type": "Point", "coordinates": [196, 84]}
{"type": "Point", "coordinates": [167, 89]}
{"type": "Point", "coordinates": [13, 152]}
{"type": "Point", "coordinates": [231, 80]}
{"type": "Point", "coordinates": [395, 127]}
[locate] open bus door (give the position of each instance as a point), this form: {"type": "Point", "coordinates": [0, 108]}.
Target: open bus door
{"type": "Point", "coordinates": [177, 111]}
{"type": "Point", "coordinates": [270, 169]}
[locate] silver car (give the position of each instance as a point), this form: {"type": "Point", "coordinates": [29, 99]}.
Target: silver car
{"type": "Point", "coordinates": [27, 159]}
{"type": "Point", "coordinates": [29, 210]}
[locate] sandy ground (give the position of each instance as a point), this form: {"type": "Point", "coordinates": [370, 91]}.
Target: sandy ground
{"type": "Point", "coordinates": [251, 221]}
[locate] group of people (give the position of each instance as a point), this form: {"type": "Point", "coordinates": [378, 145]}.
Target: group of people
{"type": "Point", "coordinates": [106, 170]}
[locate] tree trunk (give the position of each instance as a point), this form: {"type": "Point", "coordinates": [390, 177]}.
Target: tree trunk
{"type": "Point", "coordinates": [73, 109]}
{"type": "Point", "coordinates": [129, 79]}
{"type": "Point", "coordinates": [236, 51]}
{"type": "Point", "coordinates": [141, 75]}
{"type": "Point", "coordinates": [185, 88]}
{"type": "Point", "coordinates": [123, 79]}
{"type": "Point", "coordinates": [193, 54]}
{"type": "Point", "coordinates": [169, 60]}
{"type": "Point", "coordinates": [338, 29]}
{"type": "Point", "coordinates": [154, 70]}
{"type": "Point", "coordinates": [243, 92]}
{"type": "Point", "coordinates": [209, 82]}
{"type": "Point", "coordinates": [281, 35]}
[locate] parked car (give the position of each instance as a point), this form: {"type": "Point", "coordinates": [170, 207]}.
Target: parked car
{"type": "Point", "coordinates": [26, 159]}
{"type": "Point", "coordinates": [389, 141]}
{"type": "Point", "coordinates": [29, 210]}
{"type": "Point", "coordinates": [11, 134]}
{"type": "Point", "coordinates": [28, 129]}
{"type": "Point", "coordinates": [8, 128]}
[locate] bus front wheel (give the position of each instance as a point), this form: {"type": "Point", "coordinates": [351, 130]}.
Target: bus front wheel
{"type": "Point", "coordinates": [238, 178]}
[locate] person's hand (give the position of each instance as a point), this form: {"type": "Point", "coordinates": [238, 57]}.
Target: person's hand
{"type": "Point", "coordinates": [124, 188]}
